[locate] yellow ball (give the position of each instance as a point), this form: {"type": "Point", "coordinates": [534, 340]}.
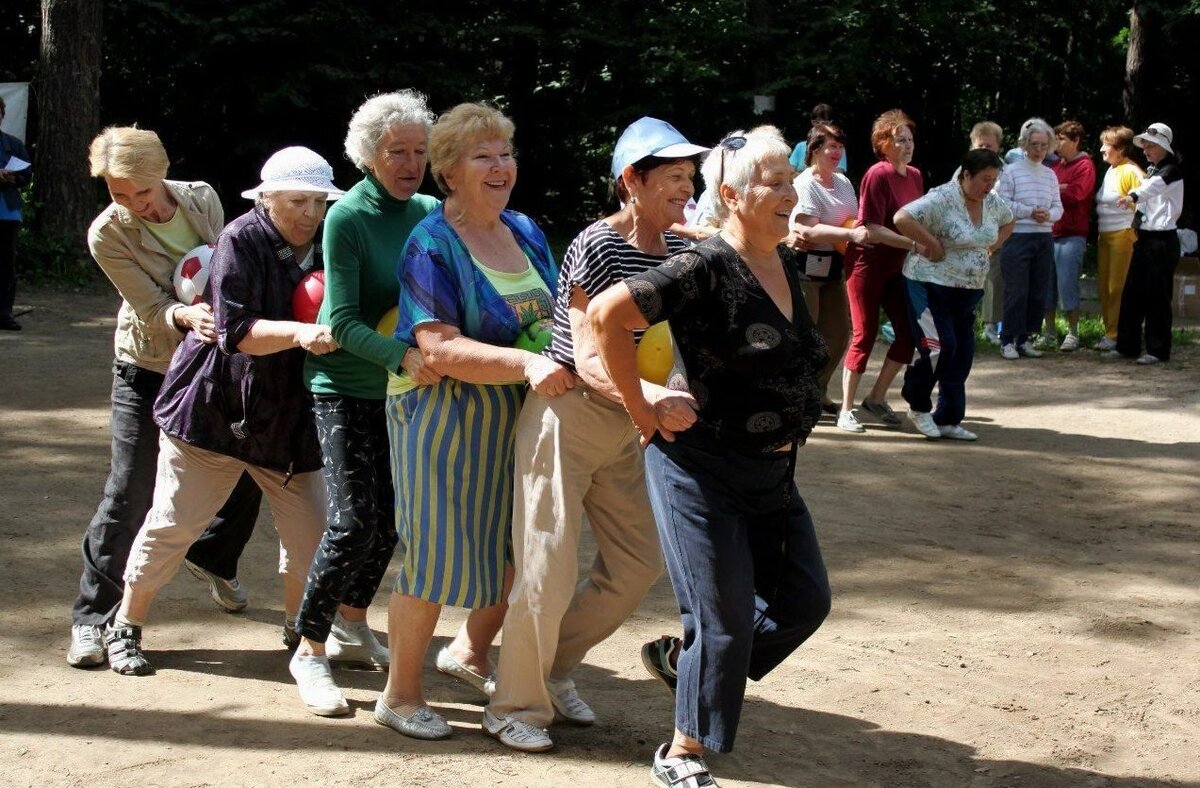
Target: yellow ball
{"type": "Point", "coordinates": [387, 323]}
{"type": "Point", "coordinates": [656, 354]}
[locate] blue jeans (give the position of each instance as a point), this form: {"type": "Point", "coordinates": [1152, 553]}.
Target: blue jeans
{"type": "Point", "coordinates": [1028, 263]}
{"type": "Point", "coordinates": [1068, 263]}
{"type": "Point", "coordinates": [127, 496]}
{"type": "Point", "coordinates": [743, 558]}
{"type": "Point", "coordinates": [943, 321]}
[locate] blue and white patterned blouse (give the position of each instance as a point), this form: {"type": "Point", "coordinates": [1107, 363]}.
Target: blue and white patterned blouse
{"type": "Point", "coordinates": [943, 212]}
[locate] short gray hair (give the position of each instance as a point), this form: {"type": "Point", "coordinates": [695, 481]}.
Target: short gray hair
{"type": "Point", "coordinates": [380, 113]}
{"type": "Point", "coordinates": [740, 165]}
{"type": "Point", "coordinates": [1033, 126]}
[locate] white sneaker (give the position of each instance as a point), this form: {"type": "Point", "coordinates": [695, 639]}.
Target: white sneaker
{"type": "Point", "coordinates": [516, 734]}
{"type": "Point", "coordinates": [1070, 343]}
{"type": "Point", "coordinates": [924, 424]}
{"type": "Point", "coordinates": [87, 646]}
{"type": "Point", "coordinates": [353, 641]}
{"type": "Point", "coordinates": [1009, 351]}
{"type": "Point", "coordinates": [229, 594]}
{"type": "Point", "coordinates": [1026, 348]}
{"type": "Point", "coordinates": [1106, 344]}
{"type": "Point", "coordinates": [990, 335]}
{"type": "Point", "coordinates": [1046, 342]}
{"type": "Point", "coordinates": [314, 679]}
{"type": "Point", "coordinates": [1147, 359]}
{"type": "Point", "coordinates": [849, 422]}
{"type": "Point", "coordinates": [955, 432]}
{"type": "Point", "coordinates": [568, 704]}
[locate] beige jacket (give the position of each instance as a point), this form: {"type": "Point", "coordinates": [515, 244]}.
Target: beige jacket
{"type": "Point", "coordinates": [143, 273]}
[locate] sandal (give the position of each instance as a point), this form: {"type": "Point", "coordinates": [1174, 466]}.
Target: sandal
{"type": "Point", "coordinates": [125, 655]}
{"type": "Point", "coordinates": [656, 656]}
{"type": "Point", "coordinates": [681, 771]}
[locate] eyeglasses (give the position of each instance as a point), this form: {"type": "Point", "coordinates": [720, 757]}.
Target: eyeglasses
{"type": "Point", "coordinates": [728, 144]}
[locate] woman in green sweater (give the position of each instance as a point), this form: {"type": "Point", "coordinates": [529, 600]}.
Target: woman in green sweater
{"type": "Point", "coordinates": [365, 233]}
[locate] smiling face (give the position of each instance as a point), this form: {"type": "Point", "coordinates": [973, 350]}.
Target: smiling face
{"type": "Point", "coordinates": [901, 146]}
{"type": "Point", "coordinates": [828, 156]}
{"type": "Point", "coordinates": [484, 177]}
{"type": "Point", "coordinates": [147, 200]}
{"type": "Point", "coordinates": [296, 215]}
{"type": "Point", "coordinates": [399, 161]}
{"type": "Point", "coordinates": [770, 197]}
{"type": "Point", "coordinates": [662, 192]}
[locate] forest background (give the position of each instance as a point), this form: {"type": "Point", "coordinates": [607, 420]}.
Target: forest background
{"type": "Point", "coordinates": [225, 83]}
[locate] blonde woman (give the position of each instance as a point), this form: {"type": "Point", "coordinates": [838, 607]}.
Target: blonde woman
{"type": "Point", "coordinates": [137, 241]}
{"type": "Point", "coordinates": [474, 276]}
{"type": "Point", "coordinates": [1114, 242]}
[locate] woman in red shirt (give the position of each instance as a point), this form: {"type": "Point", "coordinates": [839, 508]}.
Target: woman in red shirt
{"type": "Point", "coordinates": [874, 279]}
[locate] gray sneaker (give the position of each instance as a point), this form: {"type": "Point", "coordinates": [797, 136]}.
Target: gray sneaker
{"type": "Point", "coordinates": [229, 594]}
{"type": "Point", "coordinates": [87, 646]}
{"type": "Point", "coordinates": [881, 411]}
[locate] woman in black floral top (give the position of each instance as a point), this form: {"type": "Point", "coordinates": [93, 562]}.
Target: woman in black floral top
{"type": "Point", "coordinates": [738, 540]}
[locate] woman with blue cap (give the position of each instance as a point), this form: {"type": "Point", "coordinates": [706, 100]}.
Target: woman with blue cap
{"type": "Point", "coordinates": [578, 454]}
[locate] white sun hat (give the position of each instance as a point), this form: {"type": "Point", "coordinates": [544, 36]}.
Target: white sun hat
{"type": "Point", "coordinates": [295, 169]}
{"type": "Point", "coordinates": [1158, 133]}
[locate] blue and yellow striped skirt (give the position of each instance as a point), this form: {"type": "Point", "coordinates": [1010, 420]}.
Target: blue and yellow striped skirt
{"type": "Point", "coordinates": [452, 468]}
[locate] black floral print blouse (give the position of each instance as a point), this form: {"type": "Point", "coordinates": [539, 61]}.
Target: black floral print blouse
{"type": "Point", "coordinates": [752, 371]}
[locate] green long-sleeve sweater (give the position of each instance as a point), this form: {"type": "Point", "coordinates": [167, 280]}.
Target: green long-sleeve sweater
{"type": "Point", "coordinates": [365, 233]}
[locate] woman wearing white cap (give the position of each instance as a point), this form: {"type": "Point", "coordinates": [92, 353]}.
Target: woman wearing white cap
{"type": "Point", "coordinates": [1146, 299]}
{"type": "Point", "coordinates": [578, 453]}
{"type": "Point", "coordinates": [239, 405]}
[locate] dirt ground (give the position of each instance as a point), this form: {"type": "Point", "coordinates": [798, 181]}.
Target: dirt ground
{"type": "Point", "coordinates": [1021, 611]}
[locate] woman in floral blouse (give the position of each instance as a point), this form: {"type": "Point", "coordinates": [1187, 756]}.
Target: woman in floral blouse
{"type": "Point", "coordinates": [958, 223]}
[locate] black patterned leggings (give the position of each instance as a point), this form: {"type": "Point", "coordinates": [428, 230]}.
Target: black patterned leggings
{"type": "Point", "coordinates": [361, 535]}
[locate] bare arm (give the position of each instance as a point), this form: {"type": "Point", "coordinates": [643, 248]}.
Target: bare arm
{"type": "Point", "coordinates": [1001, 237]}
{"type": "Point", "coordinates": [920, 237]}
{"type": "Point", "coordinates": [451, 354]}
{"type": "Point", "coordinates": [812, 232]}
{"type": "Point", "coordinates": [274, 336]}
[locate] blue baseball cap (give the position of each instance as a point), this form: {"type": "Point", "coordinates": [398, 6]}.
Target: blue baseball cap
{"type": "Point", "coordinates": [651, 137]}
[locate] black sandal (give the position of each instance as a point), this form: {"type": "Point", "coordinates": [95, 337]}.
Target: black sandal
{"type": "Point", "coordinates": [125, 654]}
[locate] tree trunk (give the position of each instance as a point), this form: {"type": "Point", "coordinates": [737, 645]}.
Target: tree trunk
{"type": "Point", "coordinates": [1135, 61]}
{"type": "Point", "coordinates": [68, 105]}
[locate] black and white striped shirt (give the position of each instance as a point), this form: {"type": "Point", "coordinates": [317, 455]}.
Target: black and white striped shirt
{"type": "Point", "coordinates": [597, 259]}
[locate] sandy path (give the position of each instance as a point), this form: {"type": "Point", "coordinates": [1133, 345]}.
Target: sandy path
{"type": "Point", "coordinates": [1022, 611]}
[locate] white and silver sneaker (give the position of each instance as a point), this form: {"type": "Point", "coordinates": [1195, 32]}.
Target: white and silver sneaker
{"type": "Point", "coordinates": [924, 424]}
{"type": "Point", "coordinates": [1026, 348]}
{"type": "Point", "coordinates": [1009, 351]}
{"type": "Point", "coordinates": [229, 594]}
{"type": "Point", "coordinates": [314, 679]}
{"type": "Point", "coordinates": [568, 704]}
{"type": "Point", "coordinates": [956, 432]}
{"type": "Point", "coordinates": [515, 733]}
{"type": "Point", "coordinates": [353, 641]}
{"type": "Point", "coordinates": [87, 646]}
{"type": "Point", "coordinates": [849, 422]}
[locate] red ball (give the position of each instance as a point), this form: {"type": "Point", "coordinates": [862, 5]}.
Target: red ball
{"type": "Point", "coordinates": [306, 301]}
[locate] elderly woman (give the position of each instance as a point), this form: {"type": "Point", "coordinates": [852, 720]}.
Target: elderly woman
{"type": "Point", "coordinates": [1031, 190]}
{"type": "Point", "coordinates": [1146, 298]}
{"type": "Point", "coordinates": [961, 221]}
{"type": "Point", "coordinates": [578, 454]}
{"type": "Point", "coordinates": [1114, 222]}
{"type": "Point", "coordinates": [364, 234]}
{"type": "Point", "coordinates": [1076, 181]}
{"type": "Point", "coordinates": [474, 278]}
{"type": "Point", "coordinates": [137, 241]}
{"type": "Point", "coordinates": [239, 406]}
{"type": "Point", "coordinates": [825, 204]}
{"type": "Point", "coordinates": [739, 541]}
{"type": "Point", "coordinates": [875, 280]}
{"type": "Point", "coordinates": [988, 135]}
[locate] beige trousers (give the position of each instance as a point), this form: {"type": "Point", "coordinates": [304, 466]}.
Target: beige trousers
{"type": "Point", "coordinates": [192, 484]}
{"type": "Point", "coordinates": [575, 454]}
{"type": "Point", "coordinates": [993, 292]}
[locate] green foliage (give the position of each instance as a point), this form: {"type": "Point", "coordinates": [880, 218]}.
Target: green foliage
{"type": "Point", "coordinates": [49, 259]}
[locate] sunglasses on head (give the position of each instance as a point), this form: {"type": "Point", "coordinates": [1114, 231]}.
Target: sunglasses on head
{"type": "Point", "coordinates": [728, 144]}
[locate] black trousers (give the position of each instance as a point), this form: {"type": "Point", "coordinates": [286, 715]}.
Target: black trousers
{"type": "Point", "coordinates": [127, 497]}
{"type": "Point", "coordinates": [360, 536]}
{"type": "Point", "coordinates": [8, 266]}
{"type": "Point", "coordinates": [1146, 299]}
